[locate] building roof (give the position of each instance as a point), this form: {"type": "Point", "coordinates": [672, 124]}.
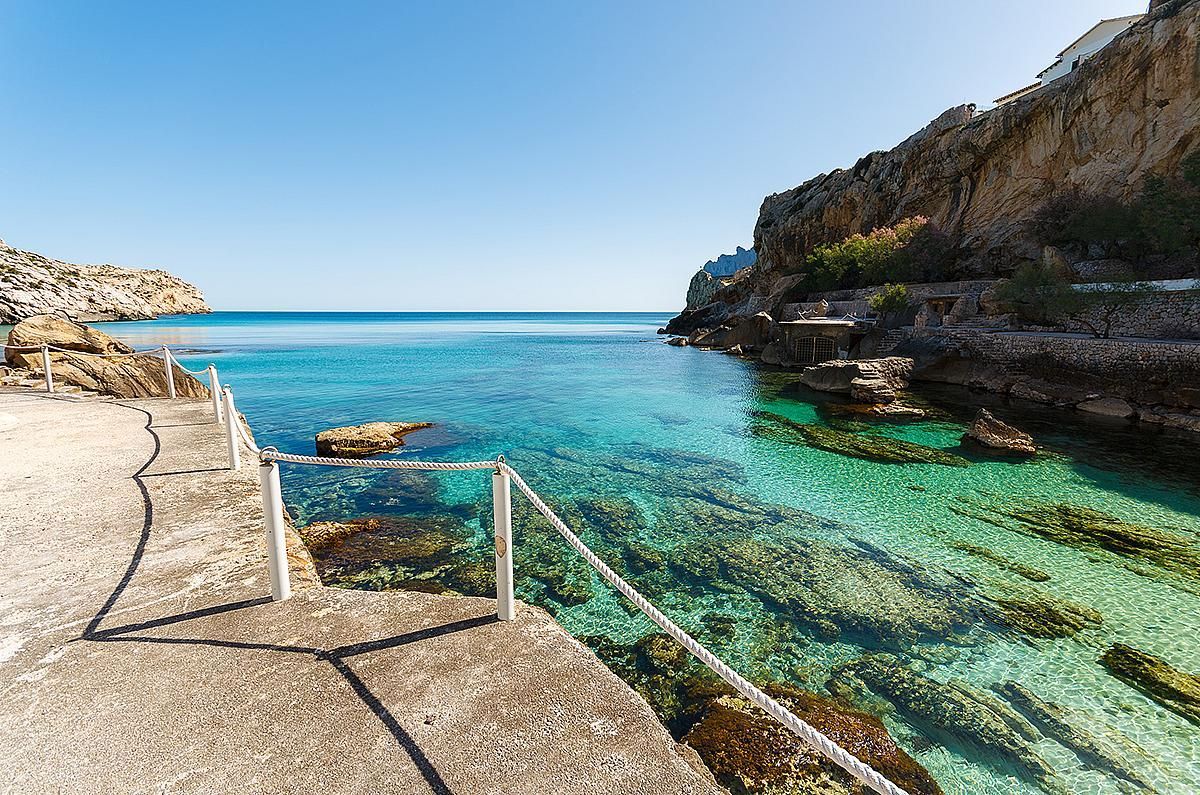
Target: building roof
{"type": "Point", "coordinates": [1018, 92]}
{"type": "Point", "coordinates": [1131, 19]}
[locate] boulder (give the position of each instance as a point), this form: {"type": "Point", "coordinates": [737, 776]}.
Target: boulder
{"type": "Point", "coordinates": [872, 389]}
{"type": "Point", "coordinates": [1108, 407]}
{"type": "Point", "coordinates": [750, 332]}
{"type": "Point", "coordinates": [750, 752]}
{"type": "Point", "coordinates": [122, 377]}
{"type": "Point", "coordinates": [360, 441]}
{"type": "Point", "coordinates": [60, 332]}
{"type": "Point", "coordinates": [991, 432]}
{"type": "Point", "coordinates": [838, 375]}
{"type": "Point", "coordinates": [678, 342]}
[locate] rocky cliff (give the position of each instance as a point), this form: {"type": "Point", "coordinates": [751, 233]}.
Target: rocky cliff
{"type": "Point", "coordinates": [31, 284]}
{"type": "Point", "coordinates": [1130, 111]}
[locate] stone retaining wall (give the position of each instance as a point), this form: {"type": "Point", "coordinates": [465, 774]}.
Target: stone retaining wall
{"type": "Point", "coordinates": [1160, 315]}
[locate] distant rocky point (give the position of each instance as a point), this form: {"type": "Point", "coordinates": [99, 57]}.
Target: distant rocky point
{"type": "Point", "coordinates": [716, 274]}
{"type": "Point", "coordinates": [31, 284]}
{"type": "Point", "coordinates": [729, 264]}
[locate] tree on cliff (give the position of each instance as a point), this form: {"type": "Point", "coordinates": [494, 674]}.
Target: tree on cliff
{"type": "Point", "coordinates": [1039, 293]}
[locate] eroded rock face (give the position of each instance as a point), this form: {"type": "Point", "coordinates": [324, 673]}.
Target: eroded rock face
{"type": "Point", "coordinates": [360, 441]}
{"type": "Point", "coordinates": [861, 378]}
{"type": "Point", "coordinates": [121, 376]}
{"type": "Point", "coordinates": [1129, 111]}
{"type": "Point", "coordinates": [997, 435]}
{"type": "Point", "coordinates": [31, 284]}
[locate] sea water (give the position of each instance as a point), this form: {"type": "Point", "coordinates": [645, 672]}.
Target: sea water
{"type": "Point", "coordinates": [805, 557]}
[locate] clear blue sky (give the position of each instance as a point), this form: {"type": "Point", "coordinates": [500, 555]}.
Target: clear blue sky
{"type": "Point", "coordinates": [391, 156]}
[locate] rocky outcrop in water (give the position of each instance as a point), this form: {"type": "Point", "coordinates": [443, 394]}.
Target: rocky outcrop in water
{"type": "Point", "coordinates": [998, 435]}
{"type": "Point", "coordinates": [865, 380]}
{"type": "Point", "coordinates": [1112, 754]}
{"type": "Point", "coordinates": [868, 446]}
{"type": "Point", "coordinates": [368, 439]}
{"type": "Point", "coordinates": [31, 284]}
{"type": "Point", "coordinates": [119, 376]}
{"type": "Point", "coordinates": [750, 752]}
{"type": "Point", "coordinates": [1174, 689]}
{"type": "Point", "coordinates": [955, 709]}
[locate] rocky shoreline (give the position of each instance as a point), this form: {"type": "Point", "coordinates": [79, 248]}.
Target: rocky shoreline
{"type": "Point", "coordinates": [32, 284]}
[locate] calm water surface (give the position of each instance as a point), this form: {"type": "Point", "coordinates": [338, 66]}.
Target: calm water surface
{"type": "Point", "coordinates": [704, 478]}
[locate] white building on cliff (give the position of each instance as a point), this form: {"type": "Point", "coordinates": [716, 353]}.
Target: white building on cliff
{"type": "Point", "coordinates": [1076, 53]}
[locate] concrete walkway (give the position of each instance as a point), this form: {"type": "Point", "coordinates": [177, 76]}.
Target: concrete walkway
{"type": "Point", "coordinates": [138, 653]}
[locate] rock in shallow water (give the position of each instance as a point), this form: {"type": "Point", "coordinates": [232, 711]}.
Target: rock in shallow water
{"type": "Point", "coordinates": [1174, 689]}
{"type": "Point", "coordinates": [360, 441]}
{"type": "Point", "coordinates": [955, 710]}
{"type": "Point", "coordinates": [997, 435]}
{"type": "Point", "coordinates": [869, 447]}
{"type": "Point", "coordinates": [751, 752]}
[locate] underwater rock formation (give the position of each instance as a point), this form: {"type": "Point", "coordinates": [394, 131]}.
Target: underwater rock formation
{"type": "Point", "coordinates": [1016, 567]}
{"type": "Point", "coordinates": [957, 711]}
{"type": "Point", "coordinates": [1109, 754]}
{"type": "Point", "coordinates": [1043, 616]}
{"type": "Point", "coordinates": [832, 590]}
{"type": "Point", "coordinates": [750, 752]}
{"type": "Point", "coordinates": [1157, 679]}
{"type": "Point", "coordinates": [869, 447]}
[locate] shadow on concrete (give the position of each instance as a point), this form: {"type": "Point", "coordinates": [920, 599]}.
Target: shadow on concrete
{"type": "Point", "coordinates": [336, 657]}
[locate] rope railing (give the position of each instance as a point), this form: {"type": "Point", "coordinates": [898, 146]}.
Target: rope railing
{"type": "Point", "coordinates": [804, 730]}
{"type": "Point", "coordinates": [238, 434]}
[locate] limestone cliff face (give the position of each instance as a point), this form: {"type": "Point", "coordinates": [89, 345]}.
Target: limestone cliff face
{"type": "Point", "coordinates": [31, 284]}
{"type": "Point", "coordinates": [1132, 110]}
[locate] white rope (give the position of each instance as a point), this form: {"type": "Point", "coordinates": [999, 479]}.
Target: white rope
{"type": "Point", "coordinates": [831, 750]}
{"type": "Point", "coordinates": [243, 432]}
{"type": "Point", "coordinates": [175, 361]}
{"type": "Point", "coordinates": [432, 466]}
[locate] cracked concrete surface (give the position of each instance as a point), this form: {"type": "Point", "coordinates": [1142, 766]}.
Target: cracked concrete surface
{"type": "Point", "coordinates": [138, 652]}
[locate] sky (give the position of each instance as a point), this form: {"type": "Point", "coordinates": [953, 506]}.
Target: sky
{"type": "Point", "coordinates": [470, 155]}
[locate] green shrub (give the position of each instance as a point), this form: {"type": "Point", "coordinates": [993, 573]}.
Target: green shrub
{"type": "Point", "coordinates": [893, 299]}
{"type": "Point", "coordinates": [913, 249]}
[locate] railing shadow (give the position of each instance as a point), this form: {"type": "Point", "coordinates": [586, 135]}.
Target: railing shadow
{"type": "Point", "coordinates": [336, 657]}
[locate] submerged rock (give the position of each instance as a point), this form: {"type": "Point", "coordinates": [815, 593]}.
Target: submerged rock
{"type": "Point", "coordinates": [834, 591]}
{"type": "Point", "coordinates": [997, 435]}
{"type": "Point", "coordinates": [360, 441]}
{"type": "Point", "coordinates": [955, 711]}
{"type": "Point", "coordinates": [1044, 616]}
{"type": "Point", "coordinates": [123, 377]}
{"type": "Point", "coordinates": [433, 554]}
{"type": "Point", "coordinates": [750, 752]}
{"type": "Point", "coordinates": [1159, 680]}
{"type": "Point", "coordinates": [1110, 754]}
{"type": "Point", "coordinates": [1016, 567]}
{"type": "Point", "coordinates": [869, 447]}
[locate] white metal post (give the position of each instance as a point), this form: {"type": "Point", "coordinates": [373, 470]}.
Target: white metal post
{"type": "Point", "coordinates": [214, 391]}
{"type": "Point", "coordinates": [169, 371]}
{"type": "Point", "coordinates": [272, 499]}
{"type": "Point", "coordinates": [231, 434]}
{"type": "Point", "coordinates": [502, 513]}
{"type": "Point", "coordinates": [46, 368]}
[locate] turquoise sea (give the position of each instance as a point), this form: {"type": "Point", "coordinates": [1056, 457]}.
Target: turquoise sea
{"type": "Point", "coordinates": [759, 517]}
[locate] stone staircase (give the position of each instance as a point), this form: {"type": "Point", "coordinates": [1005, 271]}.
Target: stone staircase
{"type": "Point", "coordinates": [890, 340]}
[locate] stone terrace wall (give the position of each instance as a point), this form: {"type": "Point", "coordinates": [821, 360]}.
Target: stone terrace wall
{"type": "Point", "coordinates": [1149, 371]}
{"type": "Point", "coordinates": [1174, 315]}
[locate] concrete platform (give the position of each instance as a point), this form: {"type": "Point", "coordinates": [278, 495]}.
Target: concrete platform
{"type": "Point", "coordinates": [138, 652]}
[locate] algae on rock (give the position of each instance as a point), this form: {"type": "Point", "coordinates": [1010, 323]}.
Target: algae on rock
{"type": "Point", "coordinates": [867, 446]}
